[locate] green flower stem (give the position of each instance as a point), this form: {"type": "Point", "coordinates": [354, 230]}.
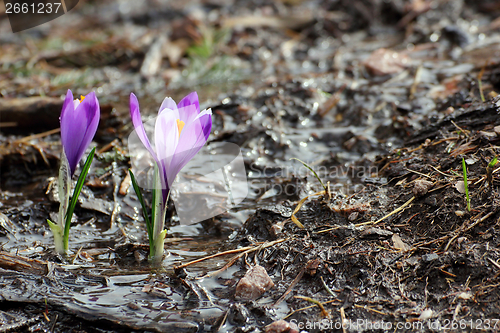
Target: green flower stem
{"type": "Point", "coordinates": [64, 186]}
{"type": "Point", "coordinates": [156, 226]}
{"type": "Point", "coordinates": [58, 236]}
{"type": "Point", "coordinates": [156, 257]}
{"type": "Point", "coordinates": [159, 213]}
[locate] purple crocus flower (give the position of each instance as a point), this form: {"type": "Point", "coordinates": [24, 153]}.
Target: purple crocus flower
{"type": "Point", "coordinates": [180, 132]}
{"type": "Point", "coordinates": [79, 121]}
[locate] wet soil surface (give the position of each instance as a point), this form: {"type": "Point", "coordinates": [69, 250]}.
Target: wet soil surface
{"type": "Point", "coordinates": [386, 100]}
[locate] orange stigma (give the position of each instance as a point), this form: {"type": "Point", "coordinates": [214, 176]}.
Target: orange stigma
{"type": "Point", "coordinates": [180, 126]}
{"type": "Point", "coordinates": [81, 98]}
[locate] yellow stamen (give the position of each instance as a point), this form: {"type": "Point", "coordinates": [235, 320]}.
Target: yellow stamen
{"type": "Point", "coordinates": [81, 98]}
{"type": "Point", "coordinates": [180, 126]}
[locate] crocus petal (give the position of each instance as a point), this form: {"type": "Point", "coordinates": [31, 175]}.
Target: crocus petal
{"type": "Point", "coordinates": [73, 129]}
{"type": "Point", "coordinates": [169, 104]}
{"type": "Point", "coordinates": [190, 99]}
{"type": "Point", "coordinates": [189, 107]}
{"type": "Point", "coordinates": [166, 140]}
{"type": "Point", "coordinates": [66, 121]}
{"type": "Point", "coordinates": [193, 137]}
{"type": "Point", "coordinates": [67, 105]}
{"type": "Point", "coordinates": [207, 123]}
{"type": "Point", "coordinates": [135, 114]}
{"type": "Point", "coordinates": [89, 111]}
{"type": "Point", "coordinates": [188, 113]}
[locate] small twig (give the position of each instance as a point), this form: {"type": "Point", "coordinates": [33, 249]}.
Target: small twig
{"type": "Point", "coordinates": [326, 287]}
{"type": "Point", "coordinates": [214, 256]}
{"type": "Point", "coordinates": [342, 317]}
{"type": "Point", "coordinates": [38, 136]}
{"type": "Point", "coordinates": [76, 255]}
{"type": "Point", "coordinates": [460, 128]}
{"type": "Point", "coordinates": [369, 309]}
{"type": "Point", "coordinates": [444, 174]}
{"type": "Point", "coordinates": [236, 257]}
{"type": "Point", "coordinates": [54, 323]}
{"type": "Point", "coordinates": [42, 153]}
{"type": "Point", "coordinates": [480, 83]}
{"type": "Point", "coordinates": [416, 81]}
{"type": "Point", "coordinates": [450, 241]}
{"type": "Point", "coordinates": [294, 283]}
{"type": "Point", "coordinates": [108, 146]}
{"type": "Point", "coordinates": [463, 229]}
{"type": "Point", "coordinates": [326, 230]}
{"type": "Point", "coordinates": [452, 138]}
{"type": "Point", "coordinates": [324, 313]}
{"type": "Point", "coordinates": [299, 205]}
{"type": "Point", "coordinates": [479, 221]}
{"type": "Point", "coordinates": [310, 307]}
{"type": "Point", "coordinates": [419, 173]}
{"type": "Point", "coordinates": [494, 263]}
{"type": "Point", "coordinates": [447, 273]}
{"type": "Point", "coordinates": [222, 319]}
{"type": "Point", "coordinates": [439, 188]}
{"type": "Point", "coordinates": [397, 210]}
{"type": "Point", "coordinates": [331, 102]}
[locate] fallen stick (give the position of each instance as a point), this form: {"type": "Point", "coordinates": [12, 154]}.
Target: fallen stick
{"type": "Point", "coordinates": [397, 210]}
{"type": "Point", "coordinates": [243, 251]}
{"type": "Point", "coordinates": [213, 256]}
{"type": "Point", "coordinates": [295, 281]}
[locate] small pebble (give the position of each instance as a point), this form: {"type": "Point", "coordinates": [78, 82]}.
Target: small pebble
{"type": "Point", "coordinates": [255, 283]}
{"type": "Point", "coordinates": [465, 295]}
{"type": "Point", "coordinates": [426, 314]}
{"type": "Point", "coordinates": [353, 216]}
{"type": "Point", "coordinates": [421, 187]}
{"type": "Point", "coordinates": [429, 257]}
{"type": "Point", "coordinates": [281, 326]}
{"type": "Point", "coordinates": [133, 306]}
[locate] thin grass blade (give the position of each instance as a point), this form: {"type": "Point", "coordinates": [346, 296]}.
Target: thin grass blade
{"type": "Point", "coordinates": [76, 194]}
{"type": "Point", "coordinates": [493, 162]}
{"type": "Point", "coordinates": [466, 186]}
{"type": "Point", "coordinates": [314, 173]}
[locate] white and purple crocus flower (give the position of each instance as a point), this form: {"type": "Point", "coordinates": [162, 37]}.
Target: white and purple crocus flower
{"type": "Point", "coordinates": [79, 121]}
{"type": "Point", "coordinates": [180, 132]}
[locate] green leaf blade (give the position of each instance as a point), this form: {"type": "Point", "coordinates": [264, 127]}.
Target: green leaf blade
{"type": "Point", "coordinates": [137, 191]}
{"type": "Point", "coordinates": [466, 185]}
{"type": "Point", "coordinates": [314, 173]}
{"type": "Point", "coordinates": [493, 162]}
{"type": "Point", "coordinates": [76, 194]}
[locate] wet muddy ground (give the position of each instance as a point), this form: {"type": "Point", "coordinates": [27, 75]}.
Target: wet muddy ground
{"type": "Point", "coordinates": [383, 99]}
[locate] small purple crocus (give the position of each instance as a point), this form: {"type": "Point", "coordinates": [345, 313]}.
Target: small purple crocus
{"type": "Point", "coordinates": [180, 132]}
{"type": "Point", "coordinates": [79, 121]}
